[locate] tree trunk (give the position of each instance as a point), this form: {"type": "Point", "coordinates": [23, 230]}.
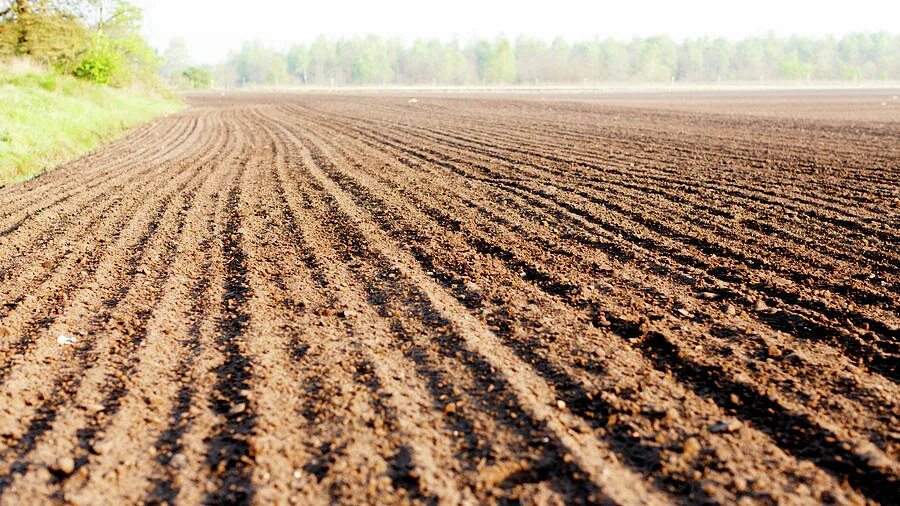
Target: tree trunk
{"type": "Point", "coordinates": [23, 12]}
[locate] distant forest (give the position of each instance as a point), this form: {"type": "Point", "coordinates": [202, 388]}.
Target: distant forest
{"type": "Point", "coordinates": [375, 60]}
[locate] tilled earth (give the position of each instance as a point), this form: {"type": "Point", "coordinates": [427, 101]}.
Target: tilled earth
{"type": "Point", "coordinates": [338, 298]}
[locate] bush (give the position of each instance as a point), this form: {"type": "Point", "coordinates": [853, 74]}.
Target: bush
{"type": "Point", "coordinates": [73, 37]}
{"type": "Point", "coordinates": [55, 40]}
{"type": "Point", "coordinates": [101, 63]}
{"type": "Point", "coordinates": [197, 77]}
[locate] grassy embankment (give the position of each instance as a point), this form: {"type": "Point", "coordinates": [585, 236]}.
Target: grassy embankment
{"type": "Point", "coordinates": [47, 118]}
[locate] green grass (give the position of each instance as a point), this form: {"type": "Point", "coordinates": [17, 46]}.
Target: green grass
{"type": "Point", "coordinates": [46, 118]}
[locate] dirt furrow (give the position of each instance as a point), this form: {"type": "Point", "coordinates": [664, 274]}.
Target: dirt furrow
{"type": "Point", "coordinates": [95, 379]}
{"type": "Point", "coordinates": [879, 361]}
{"type": "Point", "coordinates": [627, 181]}
{"type": "Point", "coordinates": [496, 299]}
{"type": "Point", "coordinates": [441, 391]}
{"type": "Point", "coordinates": [623, 145]}
{"type": "Point", "coordinates": [540, 409]}
{"type": "Point", "coordinates": [148, 387]}
{"type": "Point", "coordinates": [71, 262]}
{"type": "Point", "coordinates": [544, 169]}
{"type": "Point", "coordinates": [407, 238]}
{"type": "Point", "coordinates": [78, 178]}
{"type": "Point", "coordinates": [407, 191]}
{"type": "Point", "coordinates": [38, 188]}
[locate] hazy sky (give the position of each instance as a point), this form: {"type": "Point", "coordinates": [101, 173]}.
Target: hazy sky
{"type": "Point", "coordinates": [214, 27]}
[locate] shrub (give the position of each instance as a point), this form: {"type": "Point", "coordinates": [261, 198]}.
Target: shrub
{"type": "Point", "coordinates": [101, 63]}
{"type": "Point", "coordinates": [53, 39]}
{"type": "Point", "coordinates": [197, 77]}
{"type": "Point", "coordinates": [74, 37]}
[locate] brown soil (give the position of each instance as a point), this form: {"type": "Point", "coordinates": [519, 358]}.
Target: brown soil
{"type": "Point", "coordinates": [347, 299]}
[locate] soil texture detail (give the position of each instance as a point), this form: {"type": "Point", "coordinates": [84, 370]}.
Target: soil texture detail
{"type": "Point", "coordinates": [495, 299]}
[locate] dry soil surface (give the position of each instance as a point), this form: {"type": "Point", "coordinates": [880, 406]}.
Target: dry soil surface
{"type": "Point", "coordinates": [460, 300]}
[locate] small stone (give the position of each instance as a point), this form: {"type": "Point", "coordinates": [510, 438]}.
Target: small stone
{"type": "Point", "coordinates": [783, 282]}
{"type": "Point", "coordinates": [561, 404]}
{"type": "Point", "coordinates": [729, 426]}
{"type": "Point", "coordinates": [709, 295]}
{"type": "Point", "coordinates": [760, 305]}
{"type": "Point", "coordinates": [794, 358]}
{"type": "Point", "coordinates": [64, 340]}
{"type": "Point", "coordinates": [473, 287]}
{"type": "Point", "coordinates": [873, 456]}
{"type": "Point", "coordinates": [8, 426]}
{"type": "Point", "coordinates": [740, 484]}
{"type": "Point", "coordinates": [774, 352]}
{"type": "Point", "coordinates": [691, 447]}
{"type": "Point", "coordinates": [178, 460]}
{"type": "Point", "coordinates": [94, 408]}
{"type": "Point", "coordinates": [64, 466]}
{"type": "Point", "coordinates": [237, 408]}
{"type": "Point", "coordinates": [450, 408]}
{"type": "Point", "coordinates": [683, 312]}
{"type": "Point", "coordinates": [298, 474]}
{"type": "Point", "coordinates": [671, 416]}
{"type": "Point", "coordinates": [101, 447]}
{"type": "Point", "coordinates": [729, 309]}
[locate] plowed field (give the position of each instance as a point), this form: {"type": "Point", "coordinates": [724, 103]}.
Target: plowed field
{"type": "Point", "coordinates": [338, 298]}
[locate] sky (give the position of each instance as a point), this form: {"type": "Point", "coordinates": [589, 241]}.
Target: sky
{"type": "Point", "coordinates": [212, 28]}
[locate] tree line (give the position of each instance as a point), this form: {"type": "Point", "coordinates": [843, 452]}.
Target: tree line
{"type": "Point", "coordinates": [374, 60]}
{"type": "Point", "coordinates": [96, 40]}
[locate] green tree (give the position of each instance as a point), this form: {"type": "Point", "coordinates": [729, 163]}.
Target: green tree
{"type": "Point", "coordinates": [454, 67]}
{"type": "Point", "coordinates": [749, 60]}
{"type": "Point", "coordinates": [297, 61]}
{"type": "Point", "coordinates": [655, 59]}
{"type": "Point", "coordinates": [257, 64]}
{"type": "Point", "coordinates": [480, 52]}
{"type": "Point", "coordinates": [690, 61]}
{"type": "Point", "coordinates": [49, 32]}
{"type": "Point", "coordinates": [531, 57]}
{"type": "Point", "coordinates": [176, 58]}
{"type": "Point", "coordinates": [717, 60]}
{"type": "Point", "coordinates": [119, 32]}
{"type": "Point", "coordinates": [375, 60]}
{"type": "Point", "coordinates": [91, 39]}
{"type": "Point", "coordinates": [322, 61]}
{"type": "Point", "coordinates": [371, 62]}
{"type": "Point", "coordinates": [615, 63]}
{"type": "Point", "coordinates": [500, 65]}
{"type": "Point", "coordinates": [198, 77]}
